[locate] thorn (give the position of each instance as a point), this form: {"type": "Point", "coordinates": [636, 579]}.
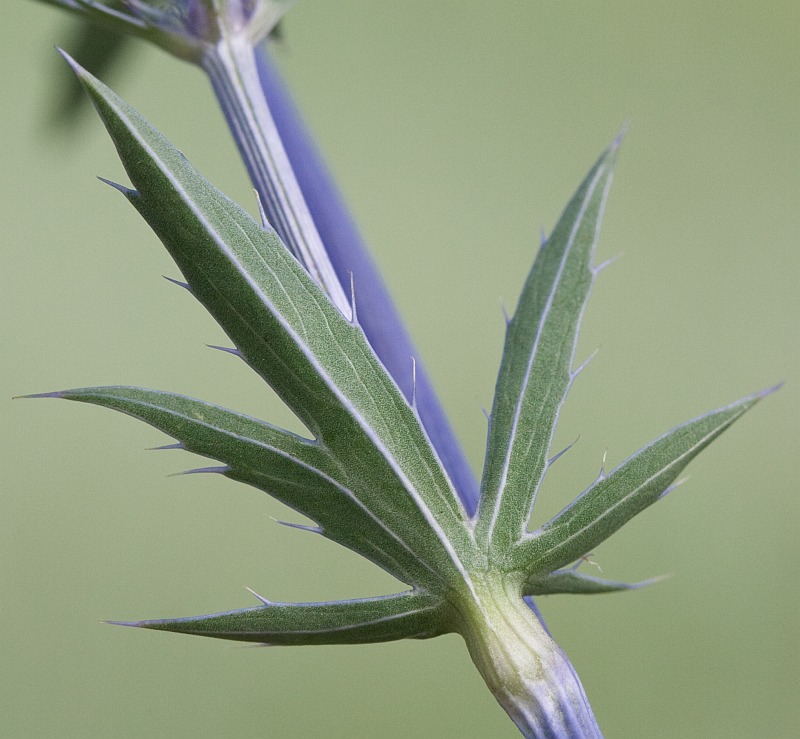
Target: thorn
{"type": "Point", "coordinates": [583, 366]}
{"type": "Point", "coordinates": [202, 470]}
{"type": "Point", "coordinates": [262, 213]}
{"type": "Point", "coordinates": [300, 526]}
{"type": "Point", "coordinates": [487, 414]}
{"type": "Point", "coordinates": [602, 474]}
{"type": "Point", "coordinates": [227, 350]}
{"type": "Point", "coordinates": [177, 445]}
{"type": "Point", "coordinates": [178, 283]}
{"type": "Point", "coordinates": [505, 313]}
{"type": "Point", "coordinates": [126, 191]}
{"type": "Point", "coordinates": [563, 451]}
{"type": "Point", "coordinates": [542, 237]}
{"type": "Point", "coordinates": [672, 487]}
{"type": "Point", "coordinates": [600, 267]}
{"type": "Point", "coordinates": [353, 312]}
{"type": "Point", "coordinates": [260, 597]}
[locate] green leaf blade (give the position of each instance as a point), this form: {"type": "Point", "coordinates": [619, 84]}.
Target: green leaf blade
{"type": "Point", "coordinates": [296, 471]}
{"type": "Point", "coordinates": [285, 327]}
{"type": "Point", "coordinates": [536, 369]}
{"type": "Point", "coordinates": [411, 615]}
{"type": "Point", "coordinates": [616, 498]}
{"type": "Point", "coordinates": [577, 583]}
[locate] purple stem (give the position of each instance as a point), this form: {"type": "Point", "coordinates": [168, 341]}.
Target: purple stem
{"type": "Point", "coordinates": [377, 314]}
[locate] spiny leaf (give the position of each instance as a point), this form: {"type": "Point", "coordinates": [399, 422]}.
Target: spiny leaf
{"type": "Point", "coordinates": [412, 615]}
{"type": "Point", "coordinates": [296, 471]}
{"type": "Point", "coordinates": [572, 581]}
{"type": "Point", "coordinates": [535, 373]}
{"type": "Point", "coordinates": [319, 363]}
{"type": "Point", "coordinates": [614, 499]}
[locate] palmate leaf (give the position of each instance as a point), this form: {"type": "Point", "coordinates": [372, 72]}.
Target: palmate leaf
{"type": "Point", "coordinates": [617, 497]}
{"type": "Point", "coordinates": [412, 615]}
{"type": "Point", "coordinates": [288, 331]}
{"type": "Point", "coordinates": [536, 369]}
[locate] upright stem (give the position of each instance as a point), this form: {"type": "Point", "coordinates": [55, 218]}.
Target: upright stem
{"type": "Point", "coordinates": [527, 672]}
{"type": "Point", "coordinates": [305, 209]}
{"type": "Point", "coordinates": [377, 314]}
{"type": "Point", "coordinates": [231, 67]}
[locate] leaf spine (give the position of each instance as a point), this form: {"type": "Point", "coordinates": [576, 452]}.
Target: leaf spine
{"type": "Point", "coordinates": [179, 283]}
{"type": "Point", "coordinates": [223, 470]}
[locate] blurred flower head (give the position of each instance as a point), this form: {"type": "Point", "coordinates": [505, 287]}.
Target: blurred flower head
{"type": "Point", "coordinates": [185, 28]}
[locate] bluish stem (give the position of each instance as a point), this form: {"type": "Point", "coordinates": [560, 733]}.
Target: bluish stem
{"type": "Point", "coordinates": [289, 175]}
{"type": "Point", "coordinates": [230, 65]}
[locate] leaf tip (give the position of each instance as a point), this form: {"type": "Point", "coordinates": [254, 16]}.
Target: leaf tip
{"type": "Point", "coordinates": [132, 624]}
{"type": "Point", "coordinates": [54, 394]}
{"type": "Point", "coordinates": [77, 68]}
{"type": "Point", "coordinates": [83, 75]}
{"type": "Point", "coordinates": [749, 401]}
{"type": "Point", "coordinates": [620, 137]}
{"type": "Point", "coordinates": [768, 391]}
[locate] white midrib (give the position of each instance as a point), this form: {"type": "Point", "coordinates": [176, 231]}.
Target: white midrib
{"type": "Point", "coordinates": [498, 497]}
{"type": "Point", "coordinates": [705, 440]}
{"type": "Point", "coordinates": [431, 520]}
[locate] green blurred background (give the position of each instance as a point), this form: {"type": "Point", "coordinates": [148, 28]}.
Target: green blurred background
{"type": "Point", "coordinates": [457, 130]}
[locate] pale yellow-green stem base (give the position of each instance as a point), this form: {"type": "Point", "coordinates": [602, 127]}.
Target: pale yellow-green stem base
{"type": "Point", "coordinates": [528, 673]}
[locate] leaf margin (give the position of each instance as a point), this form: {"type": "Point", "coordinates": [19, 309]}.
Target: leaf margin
{"type": "Point", "coordinates": [547, 549]}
